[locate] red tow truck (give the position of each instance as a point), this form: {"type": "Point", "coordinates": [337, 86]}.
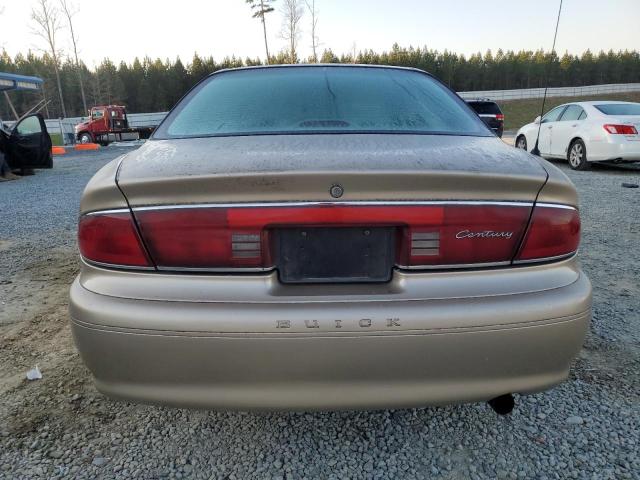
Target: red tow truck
{"type": "Point", "coordinates": [109, 123]}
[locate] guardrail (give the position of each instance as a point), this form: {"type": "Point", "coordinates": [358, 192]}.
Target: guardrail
{"type": "Point", "coordinates": [519, 94]}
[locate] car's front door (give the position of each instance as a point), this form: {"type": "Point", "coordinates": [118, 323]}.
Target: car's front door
{"type": "Point", "coordinates": [565, 129]}
{"type": "Point", "coordinates": [29, 145]}
{"type": "Point", "coordinates": [548, 123]}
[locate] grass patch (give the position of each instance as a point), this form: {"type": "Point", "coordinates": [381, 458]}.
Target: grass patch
{"type": "Point", "coordinates": [520, 112]}
{"type": "Point", "coordinates": [56, 139]}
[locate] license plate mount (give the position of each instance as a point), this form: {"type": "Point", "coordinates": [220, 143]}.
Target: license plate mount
{"type": "Point", "coordinates": [335, 254]}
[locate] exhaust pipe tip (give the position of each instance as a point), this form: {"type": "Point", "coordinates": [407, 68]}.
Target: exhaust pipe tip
{"type": "Point", "coordinates": [502, 405]}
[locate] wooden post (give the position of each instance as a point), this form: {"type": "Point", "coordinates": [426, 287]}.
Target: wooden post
{"type": "Point", "coordinates": [15, 114]}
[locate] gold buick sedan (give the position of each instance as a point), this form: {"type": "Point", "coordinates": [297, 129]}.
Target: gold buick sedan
{"type": "Point", "coordinates": [327, 237]}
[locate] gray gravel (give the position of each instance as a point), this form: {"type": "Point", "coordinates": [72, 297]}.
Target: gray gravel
{"type": "Point", "coordinates": [40, 212]}
{"type": "Point", "coordinates": [587, 428]}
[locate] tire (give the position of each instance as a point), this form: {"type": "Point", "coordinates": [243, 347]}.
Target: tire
{"type": "Point", "coordinates": [85, 138]}
{"type": "Point", "coordinates": [521, 142]}
{"type": "Point", "coordinates": [577, 155]}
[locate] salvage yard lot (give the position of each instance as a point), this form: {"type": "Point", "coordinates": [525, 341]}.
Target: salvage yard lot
{"type": "Point", "coordinates": [60, 426]}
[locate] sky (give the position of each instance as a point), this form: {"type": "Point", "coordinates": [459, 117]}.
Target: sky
{"type": "Point", "coordinates": [125, 29]}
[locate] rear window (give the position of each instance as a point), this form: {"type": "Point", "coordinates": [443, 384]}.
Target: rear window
{"type": "Point", "coordinates": [485, 107]}
{"type": "Point", "coordinates": [619, 108]}
{"type": "Point", "coordinates": [285, 100]}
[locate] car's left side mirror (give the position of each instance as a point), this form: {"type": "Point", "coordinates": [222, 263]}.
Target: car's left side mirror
{"type": "Point", "coordinates": [537, 120]}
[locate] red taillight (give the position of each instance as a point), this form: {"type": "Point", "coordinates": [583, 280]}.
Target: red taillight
{"type": "Point", "coordinates": [554, 231]}
{"type": "Point", "coordinates": [111, 238]}
{"type": "Point", "coordinates": [465, 235]}
{"type": "Point", "coordinates": [430, 235]}
{"type": "Point", "coordinates": [238, 237]}
{"type": "Point", "coordinates": [202, 238]}
{"type": "Point", "coordinates": [500, 116]}
{"type": "Point", "coordinates": [620, 129]}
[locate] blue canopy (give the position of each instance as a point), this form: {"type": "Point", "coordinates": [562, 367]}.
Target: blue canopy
{"type": "Point", "coordinates": [10, 81]}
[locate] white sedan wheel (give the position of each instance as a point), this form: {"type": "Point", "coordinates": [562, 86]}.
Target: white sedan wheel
{"type": "Point", "coordinates": [578, 156]}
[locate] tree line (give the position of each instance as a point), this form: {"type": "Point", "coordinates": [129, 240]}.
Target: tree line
{"type": "Point", "coordinates": [148, 85]}
{"type": "Point", "coordinates": [156, 85]}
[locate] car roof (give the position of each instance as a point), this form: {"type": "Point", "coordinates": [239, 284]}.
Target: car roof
{"type": "Point", "coordinates": [600, 102]}
{"type": "Point", "coordinates": [321, 65]}
{"type": "Point", "coordinates": [591, 104]}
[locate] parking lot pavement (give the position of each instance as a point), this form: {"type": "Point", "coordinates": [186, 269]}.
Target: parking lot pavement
{"type": "Point", "coordinates": [59, 426]}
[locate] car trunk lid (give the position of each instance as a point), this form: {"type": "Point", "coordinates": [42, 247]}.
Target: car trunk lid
{"type": "Point", "coordinates": [267, 168]}
{"type": "Point", "coordinates": [331, 208]}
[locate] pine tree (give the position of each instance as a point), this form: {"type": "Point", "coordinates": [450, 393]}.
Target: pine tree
{"type": "Point", "coordinates": [260, 9]}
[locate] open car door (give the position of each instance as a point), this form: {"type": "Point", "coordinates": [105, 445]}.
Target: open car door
{"type": "Point", "coordinates": [29, 145]}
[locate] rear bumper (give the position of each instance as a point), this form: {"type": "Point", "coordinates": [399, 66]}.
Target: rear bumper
{"type": "Point", "coordinates": [620, 149]}
{"type": "Point", "coordinates": [384, 354]}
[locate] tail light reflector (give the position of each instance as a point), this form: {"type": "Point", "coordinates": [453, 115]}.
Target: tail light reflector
{"type": "Point", "coordinates": [500, 116]}
{"type": "Point", "coordinates": [620, 129]}
{"type": "Point", "coordinates": [425, 244]}
{"type": "Point", "coordinates": [246, 245]}
{"type": "Point", "coordinates": [205, 238]}
{"type": "Point", "coordinates": [554, 231]}
{"type": "Point", "coordinates": [112, 239]}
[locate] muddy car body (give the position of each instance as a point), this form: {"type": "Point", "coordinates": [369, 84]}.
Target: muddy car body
{"type": "Point", "coordinates": [352, 249]}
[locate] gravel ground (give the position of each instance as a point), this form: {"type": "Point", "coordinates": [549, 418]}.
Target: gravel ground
{"type": "Point", "coordinates": [587, 428]}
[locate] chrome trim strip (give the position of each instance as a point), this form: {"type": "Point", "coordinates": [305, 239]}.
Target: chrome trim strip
{"type": "Point", "coordinates": [545, 259]}
{"type": "Point", "coordinates": [555, 205]}
{"type": "Point", "coordinates": [113, 265]}
{"type": "Point", "coordinates": [448, 267]}
{"type": "Point", "coordinates": [218, 270]}
{"type": "Point", "coordinates": [341, 203]}
{"type": "Point", "coordinates": [106, 212]}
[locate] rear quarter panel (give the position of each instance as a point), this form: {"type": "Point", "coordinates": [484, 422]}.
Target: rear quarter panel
{"type": "Point", "coordinates": [558, 188]}
{"type": "Point", "coordinates": [102, 192]}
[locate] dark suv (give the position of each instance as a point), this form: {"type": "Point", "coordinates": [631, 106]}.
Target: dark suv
{"type": "Point", "coordinates": [490, 113]}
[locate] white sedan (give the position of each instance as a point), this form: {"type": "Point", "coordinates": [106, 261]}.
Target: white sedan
{"type": "Point", "coordinates": [584, 132]}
